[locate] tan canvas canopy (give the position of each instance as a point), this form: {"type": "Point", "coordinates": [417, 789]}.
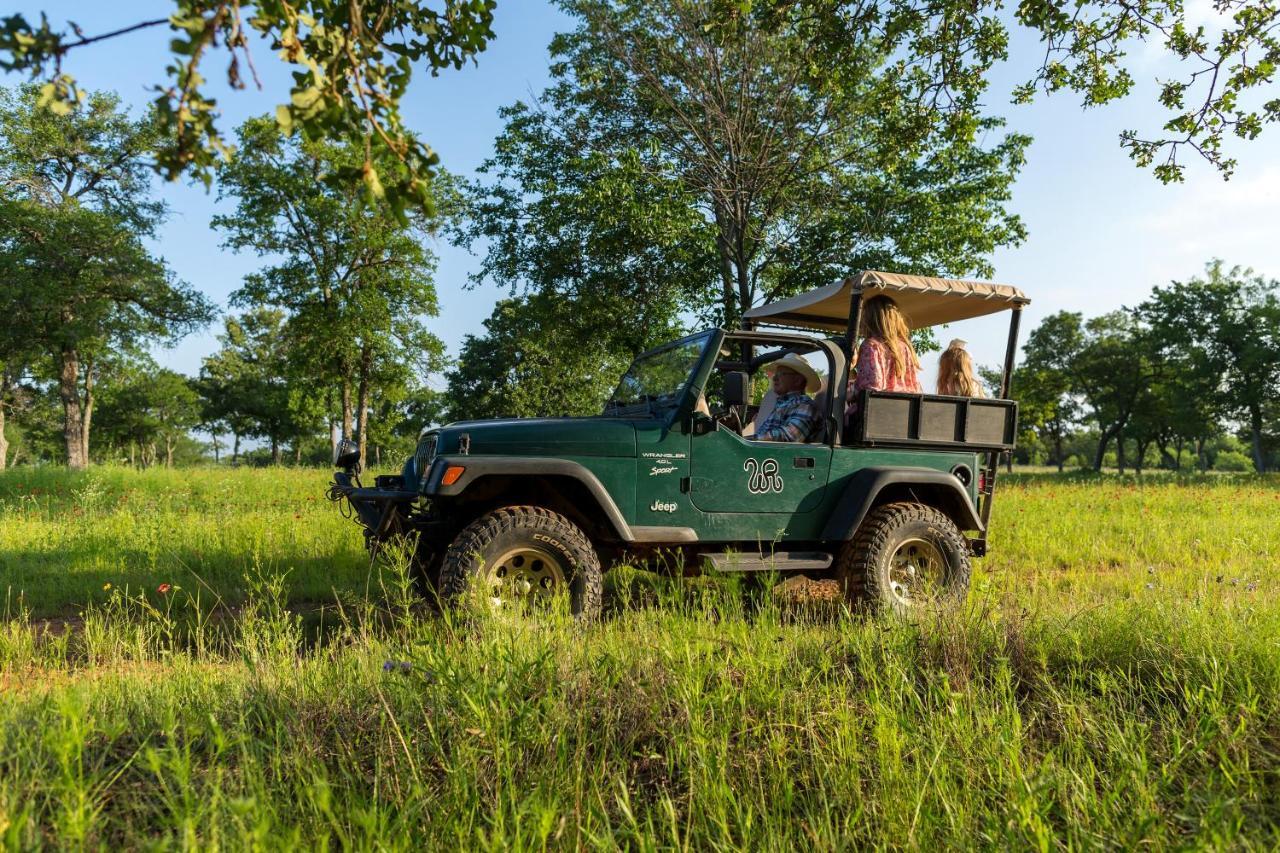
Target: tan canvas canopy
{"type": "Point", "coordinates": [924, 300]}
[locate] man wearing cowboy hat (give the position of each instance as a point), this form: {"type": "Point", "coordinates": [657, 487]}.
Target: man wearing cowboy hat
{"type": "Point", "coordinates": [795, 417]}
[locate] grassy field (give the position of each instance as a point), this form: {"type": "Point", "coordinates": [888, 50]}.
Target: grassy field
{"type": "Point", "coordinates": [1113, 682]}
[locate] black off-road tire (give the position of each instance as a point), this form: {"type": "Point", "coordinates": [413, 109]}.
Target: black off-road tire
{"type": "Point", "coordinates": [494, 533]}
{"type": "Point", "coordinates": [863, 564]}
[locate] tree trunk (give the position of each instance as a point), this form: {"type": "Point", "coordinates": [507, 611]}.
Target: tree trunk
{"type": "Point", "coordinates": [1104, 439]}
{"type": "Point", "coordinates": [1120, 459]}
{"type": "Point", "coordinates": [1057, 451]}
{"type": "Point", "coordinates": [1142, 455]}
{"type": "Point", "coordinates": [72, 416]}
{"type": "Point", "coordinates": [4, 442]}
{"type": "Point", "coordinates": [362, 412]}
{"type": "Point", "coordinates": [329, 419]}
{"type": "Point", "coordinates": [275, 450]}
{"type": "Point", "coordinates": [1200, 455]}
{"type": "Point", "coordinates": [297, 453]}
{"type": "Point", "coordinates": [235, 450]}
{"type": "Point", "coordinates": [217, 445]}
{"type": "Point", "coordinates": [1255, 427]}
{"type": "Point", "coordinates": [726, 266]}
{"type": "Point", "coordinates": [90, 375]}
{"type": "Point", "coordinates": [168, 452]}
{"type": "Point", "coordinates": [133, 454]}
{"type": "Point", "coordinates": [346, 407]}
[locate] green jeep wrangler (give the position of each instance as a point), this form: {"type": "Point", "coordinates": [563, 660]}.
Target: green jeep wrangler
{"type": "Point", "coordinates": [892, 501]}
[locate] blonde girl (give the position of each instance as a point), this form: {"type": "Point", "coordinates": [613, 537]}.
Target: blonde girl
{"type": "Point", "coordinates": [955, 372]}
{"type": "Point", "coordinates": [886, 360]}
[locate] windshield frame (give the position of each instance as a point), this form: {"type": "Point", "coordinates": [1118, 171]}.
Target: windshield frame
{"type": "Point", "coordinates": [692, 384]}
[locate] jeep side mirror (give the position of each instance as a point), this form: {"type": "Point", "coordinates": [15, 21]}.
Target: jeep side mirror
{"type": "Point", "coordinates": [737, 388]}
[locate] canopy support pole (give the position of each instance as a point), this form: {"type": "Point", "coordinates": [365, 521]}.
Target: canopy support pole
{"type": "Point", "coordinates": [1010, 352]}
{"type": "Point", "coordinates": [993, 458]}
{"type": "Point", "coordinates": [855, 317]}
{"type": "Point", "coordinates": [850, 338]}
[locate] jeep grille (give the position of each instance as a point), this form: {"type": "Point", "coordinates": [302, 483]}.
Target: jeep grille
{"type": "Point", "coordinates": [422, 457]}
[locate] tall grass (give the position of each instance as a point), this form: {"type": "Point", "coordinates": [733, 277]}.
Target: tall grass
{"type": "Point", "coordinates": [1107, 685]}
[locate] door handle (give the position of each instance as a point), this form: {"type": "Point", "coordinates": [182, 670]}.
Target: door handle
{"type": "Point", "coordinates": [803, 462]}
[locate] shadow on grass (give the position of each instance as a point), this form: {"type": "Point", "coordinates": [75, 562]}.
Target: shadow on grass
{"type": "Point", "coordinates": [52, 582]}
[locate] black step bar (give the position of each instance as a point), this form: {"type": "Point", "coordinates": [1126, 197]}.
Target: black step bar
{"type": "Point", "coordinates": [780, 561]}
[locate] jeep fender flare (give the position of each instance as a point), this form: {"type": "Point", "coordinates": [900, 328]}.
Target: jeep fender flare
{"type": "Point", "coordinates": [477, 467]}
{"type": "Point", "coordinates": [924, 485]}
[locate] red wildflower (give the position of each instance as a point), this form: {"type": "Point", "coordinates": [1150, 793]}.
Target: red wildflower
{"type": "Point", "coordinates": [163, 588]}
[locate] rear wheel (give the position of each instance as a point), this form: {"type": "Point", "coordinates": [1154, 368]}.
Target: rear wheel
{"type": "Point", "coordinates": [905, 556]}
{"type": "Point", "coordinates": [523, 555]}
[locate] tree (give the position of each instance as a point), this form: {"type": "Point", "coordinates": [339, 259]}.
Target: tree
{"type": "Point", "coordinates": [353, 282]}
{"type": "Point", "coordinates": [536, 359]}
{"type": "Point", "coordinates": [1225, 327]}
{"type": "Point", "coordinates": [250, 383]}
{"type": "Point", "coordinates": [16, 357]}
{"type": "Point", "coordinates": [73, 206]}
{"type": "Point", "coordinates": [1221, 89]}
{"type": "Point", "coordinates": [145, 407]}
{"type": "Point", "coordinates": [353, 62]}
{"type": "Point", "coordinates": [11, 371]}
{"type": "Point", "coordinates": [711, 161]}
{"type": "Point", "coordinates": [1044, 385]}
{"type": "Point", "coordinates": [1112, 371]}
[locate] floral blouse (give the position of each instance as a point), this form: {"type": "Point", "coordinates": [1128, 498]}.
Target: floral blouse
{"type": "Point", "coordinates": [874, 372]}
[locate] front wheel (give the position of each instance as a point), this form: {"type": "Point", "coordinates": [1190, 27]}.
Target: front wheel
{"type": "Point", "coordinates": [523, 555]}
{"type": "Point", "coordinates": [903, 556]}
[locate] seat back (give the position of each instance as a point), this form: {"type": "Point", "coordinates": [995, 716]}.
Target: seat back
{"type": "Point", "coordinates": [767, 404]}
{"type": "Point", "coordinates": [820, 402]}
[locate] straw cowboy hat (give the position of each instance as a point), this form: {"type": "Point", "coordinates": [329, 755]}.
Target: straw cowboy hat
{"type": "Point", "coordinates": [793, 362]}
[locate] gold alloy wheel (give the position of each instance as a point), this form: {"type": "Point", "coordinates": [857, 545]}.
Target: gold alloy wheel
{"type": "Point", "coordinates": [917, 570]}
{"type": "Point", "coordinates": [526, 574]}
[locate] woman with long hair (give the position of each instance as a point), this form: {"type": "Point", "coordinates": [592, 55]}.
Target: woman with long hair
{"type": "Point", "coordinates": [886, 360]}
{"type": "Point", "coordinates": [955, 372]}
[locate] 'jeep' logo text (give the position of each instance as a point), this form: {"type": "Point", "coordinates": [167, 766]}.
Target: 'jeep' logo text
{"type": "Point", "coordinates": [762, 477]}
{"type": "Point", "coordinates": [659, 506]}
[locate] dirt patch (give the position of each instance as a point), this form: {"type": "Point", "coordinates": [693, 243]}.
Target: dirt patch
{"type": "Point", "coordinates": [800, 590]}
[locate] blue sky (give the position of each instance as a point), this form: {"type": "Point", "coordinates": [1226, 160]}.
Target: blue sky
{"type": "Point", "coordinates": [1101, 232]}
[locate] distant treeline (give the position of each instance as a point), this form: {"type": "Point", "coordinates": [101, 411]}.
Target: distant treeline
{"type": "Point", "coordinates": [1188, 378]}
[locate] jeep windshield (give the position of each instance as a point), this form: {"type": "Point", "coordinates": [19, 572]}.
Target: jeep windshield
{"type": "Point", "coordinates": [657, 378]}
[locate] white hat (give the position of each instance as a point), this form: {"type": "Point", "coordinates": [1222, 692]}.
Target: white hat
{"type": "Point", "coordinates": [791, 361]}
{"type": "Point", "coordinates": [957, 343]}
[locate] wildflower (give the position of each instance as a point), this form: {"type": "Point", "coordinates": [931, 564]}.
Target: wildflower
{"type": "Point", "coordinates": [164, 588]}
{"type": "Point", "coordinates": [106, 586]}
{"type": "Point", "coordinates": [396, 666]}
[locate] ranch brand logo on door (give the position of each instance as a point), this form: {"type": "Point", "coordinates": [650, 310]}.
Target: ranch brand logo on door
{"type": "Point", "coordinates": [762, 477]}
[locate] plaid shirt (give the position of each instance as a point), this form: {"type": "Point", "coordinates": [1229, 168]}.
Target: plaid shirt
{"type": "Point", "coordinates": [794, 418]}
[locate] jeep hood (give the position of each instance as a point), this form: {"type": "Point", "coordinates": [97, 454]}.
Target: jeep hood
{"type": "Point", "coordinates": [595, 436]}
